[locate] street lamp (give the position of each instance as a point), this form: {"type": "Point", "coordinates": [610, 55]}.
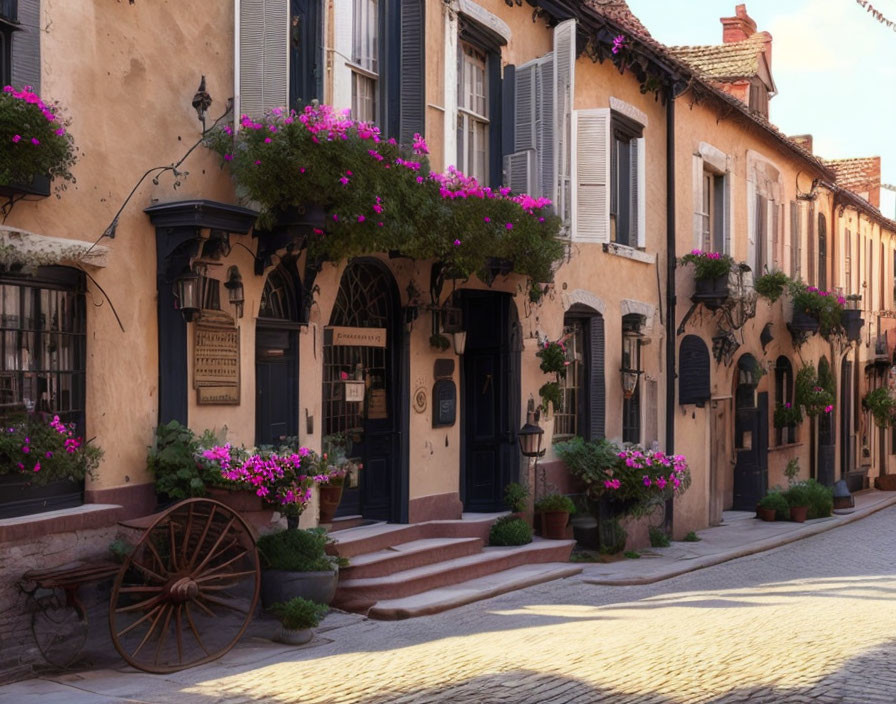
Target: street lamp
{"type": "Point", "coordinates": [186, 290]}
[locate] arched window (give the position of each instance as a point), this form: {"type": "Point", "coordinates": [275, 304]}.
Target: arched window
{"type": "Point", "coordinates": [784, 396]}
{"type": "Point", "coordinates": [278, 299]}
{"type": "Point", "coordinates": [584, 395]}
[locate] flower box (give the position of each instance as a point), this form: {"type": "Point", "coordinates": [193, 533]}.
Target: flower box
{"type": "Point", "coordinates": [37, 186]}
{"type": "Point", "coordinates": [803, 322]}
{"type": "Point", "coordinates": [20, 498]}
{"type": "Point", "coordinates": [712, 293]}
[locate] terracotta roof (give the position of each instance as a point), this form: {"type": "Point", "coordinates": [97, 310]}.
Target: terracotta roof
{"type": "Point", "coordinates": [619, 11]}
{"type": "Point", "coordinates": [856, 173]}
{"type": "Point", "coordinates": [724, 62]}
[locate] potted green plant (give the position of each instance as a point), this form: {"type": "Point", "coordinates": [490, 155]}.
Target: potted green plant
{"type": "Point", "coordinates": [555, 510]}
{"type": "Point", "coordinates": [510, 530]}
{"type": "Point", "coordinates": [295, 563]}
{"type": "Point", "coordinates": [711, 270]}
{"type": "Point", "coordinates": [516, 498]}
{"type": "Point", "coordinates": [773, 506]}
{"type": "Point", "coordinates": [814, 391]}
{"type": "Point", "coordinates": [882, 405]}
{"type": "Point", "coordinates": [297, 617]}
{"type": "Point", "coordinates": [798, 499]}
{"type": "Point", "coordinates": [771, 285]}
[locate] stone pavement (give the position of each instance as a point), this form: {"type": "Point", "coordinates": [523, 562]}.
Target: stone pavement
{"type": "Point", "coordinates": [805, 622]}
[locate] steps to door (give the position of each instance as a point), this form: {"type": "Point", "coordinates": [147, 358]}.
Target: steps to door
{"type": "Point", "coordinates": [401, 571]}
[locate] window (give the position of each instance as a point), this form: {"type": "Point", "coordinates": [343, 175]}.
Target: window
{"type": "Point", "coordinates": [760, 232]}
{"type": "Point", "coordinates": [473, 113]}
{"type": "Point", "coordinates": [847, 264]}
{"type": "Point", "coordinates": [759, 99]}
{"type": "Point", "coordinates": [568, 421]}
{"type": "Point", "coordinates": [42, 340]}
{"type": "Point", "coordinates": [624, 135]}
{"type": "Point", "coordinates": [822, 252]}
{"type": "Point", "coordinates": [631, 360]}
{"type": "Point", "coordinates": [365, 60]}
{"type": "Point", "coordinates": [784, 395]}
{"type": "Point", "coordinates": [868, 291]}
{"type": "Point", "coordinates": [712, 213]}
{"type": "Point", "coordinates": [796, 239]}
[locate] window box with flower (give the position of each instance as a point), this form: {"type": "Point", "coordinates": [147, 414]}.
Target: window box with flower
{"type": "Point", "coordinates": [711, 272]}
{"type": "Point", "coordinates": [815, 310]}
{"type": "Point", "coordinates": [42, 465]}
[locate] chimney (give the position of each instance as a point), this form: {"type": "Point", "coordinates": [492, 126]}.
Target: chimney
{"type": "Point", "coordinates": [872, 173]}
{"type": "Point", "coordinates": [739, 27]}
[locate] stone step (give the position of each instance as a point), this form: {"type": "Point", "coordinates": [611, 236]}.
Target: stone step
{"type": "Point", "coordinates": [360, 594]}
{"type": "Point", "coordinates": [406, 556]}
{"type": "Point", "coordinates": [449, 597]}
{"type": "Point", "coordinates": [346, 522]}
{"type": "Point", "coordinates": [372, 538]}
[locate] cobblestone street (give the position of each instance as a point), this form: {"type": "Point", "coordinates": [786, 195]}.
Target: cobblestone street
{"type": "Point", "coordinates": [810, 621]}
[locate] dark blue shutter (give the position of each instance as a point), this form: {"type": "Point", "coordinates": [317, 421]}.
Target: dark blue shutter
{"type": "Point", "coordinates": [495, 157]}
{"type": "Point", "coordinates": [412, 72]}
{"type": "Point", "coordinates": [693, 371]}
{"type": "Point", "coordinates": [26, 47]}
{"type": "Point", "coordinates": [597, 391]}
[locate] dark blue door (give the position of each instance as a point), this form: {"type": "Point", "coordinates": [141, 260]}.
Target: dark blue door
{"type": "Point", "coordinates": [276, 388]}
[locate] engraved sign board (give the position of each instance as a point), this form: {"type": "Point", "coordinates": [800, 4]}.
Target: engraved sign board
{"type": "Point", "coordinates": [355, 337]}
{"type": "Point", "coordinates": [216, 361]}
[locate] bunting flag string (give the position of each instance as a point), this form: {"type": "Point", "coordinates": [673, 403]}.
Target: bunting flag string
{"type": "Point", "coordinates": [877, 14]}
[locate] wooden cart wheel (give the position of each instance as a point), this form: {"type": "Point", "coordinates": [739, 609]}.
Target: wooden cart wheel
{"type": "Point", "coordinates": [188, 590]}
{"type": "Point", "coordinates": [59, 628]}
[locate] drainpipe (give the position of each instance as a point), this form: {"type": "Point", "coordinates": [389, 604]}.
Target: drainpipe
{"type": "Point", "coordinates": [670, 286]}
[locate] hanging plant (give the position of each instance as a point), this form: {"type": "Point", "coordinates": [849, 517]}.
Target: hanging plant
{"type": "Point", "coordinates": [787, 415]}
{"type": "Point", "coordinates": [814, 391]}
{"type": "Point", "coordinates": [551, 393]}
{"type": "Point", "coordinates": [772, 285]}
{"type": "Point", "coordinates": [882, 405]}
{"type": "Point", "coordinates": [825, 306]}
{"type": "Point", "coordinates": [553, 358]}
{"type": "Point", "coordinates": [439, 342]}
{"type": "Point", "coordinates": [381, 197]}
{"type": "Point", "coordinates": [34, 138]}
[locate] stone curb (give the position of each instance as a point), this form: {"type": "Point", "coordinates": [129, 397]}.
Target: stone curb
{"type": "Point", "coordinates": [761, 546]}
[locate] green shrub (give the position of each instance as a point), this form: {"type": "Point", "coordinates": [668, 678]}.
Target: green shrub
{"type": "Point", "coordinates": [798, 495]}
{"type": "Point", "coordinates": [173, 463]}
{"type": "Point", "coordinates": [509, 530]}
{"type": "Point", "coordinates": [611, 536]}
{"type": "Point", "coordinates": [515, 495]}
{"type": "Point", "coordinates": [555, 502]}
{"type": "Point", "coordinates": [821, 499]}
{"type": "Point", "coordinates": [691, 538]}
{"type": "Point", "coordinates": [631, 555]}
{"type": "Point", "coordinates": [882, 405]}
{"type": "Point", "coordinates": [295, 550]}
{"type": "Point", "coordinates": [299, 613]}
{"type": "Point", "coordinates": [775, 500]}
{"type": "Point", "coordinates": [658, 538]}
{"type": "Point", "coordinates": [771, 286]}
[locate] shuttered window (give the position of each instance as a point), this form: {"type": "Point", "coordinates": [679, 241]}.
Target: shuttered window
{"type": "Point", "coordinates": [8, 18]}
{"type": "Point", "coordinates": [583, 412]}
{"type": "Point", "coordinates": [796, 238]}
{"type": "Point", "coordinates": [711, 186]}
{"type": "Point", "coordinates": [564, 85]}
{"type": "Point", "coordinates": [533, 138]}
{"type": "Point", "coordinates": [365, 59]}
{"type": "Point", "coordinates": [569, 418]}
{"type": "Point", "coordinates": [847, 263]}
{"type": "Point", "coordinates": [263, 57]}
{"type": "Point", "coordinates": [22, 45]}
{"type": "Point", "coordinates": [591, 176]}
{"type": "Point", "coordinates": [625, 178]}
{"type": "Point", "coordinates": [473, 113]}
{"type": "Point", "coordinates": [693, 371]}
{"type": "Point", "coordinates": [822, 252]}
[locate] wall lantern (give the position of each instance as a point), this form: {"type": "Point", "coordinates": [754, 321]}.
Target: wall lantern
{"type": "Point", "coordinates": [187, 293]}
{"type": "Point", "coordinates": [460, 341]}
{"type": "Point", "coordinates": [631, 353]}
{"type": "Point", "coordinates": [234, 286]}
{"type": "Point", "coordinates": [629, 381]}
{"type": "Point", "coordinates": [531, 434]}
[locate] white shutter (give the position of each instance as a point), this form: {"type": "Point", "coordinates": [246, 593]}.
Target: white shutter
{"type": "Point", "coordinates": [729, 213]}
{"type": "Point", "coordinates": [342, 53]}
{"type": "Point", "coordinates": [264, 56]}
{"type": "Point", "coordinates": [590, 206]}
{"type": "Point", "coordinates": [751, 227]}
{"type": "Point", "coordinates": [544, 134]}
{"type": "Point", "coordinates": [524, 106]}
{"type": "Point", "coordinates": [519, 171]}
{"type": "Point", "coordinates": [564, 84]}
{"type": "Point", "coordinates": [697, 179]}
{"type": "Point", "coordinates": [640, 188]}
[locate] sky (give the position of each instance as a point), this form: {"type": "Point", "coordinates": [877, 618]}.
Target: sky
{"type": "Point", "coordinates": [833, 63]}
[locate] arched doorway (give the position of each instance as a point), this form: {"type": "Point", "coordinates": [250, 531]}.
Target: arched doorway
{"type": "Point", "coordinates": [277, 357]}
{"type": "Point", "coordinates": [362, 344]}
{"type": "Point", "coordinates": [750, 436]}
{"type": "Point", "coordinates": [490, 398]}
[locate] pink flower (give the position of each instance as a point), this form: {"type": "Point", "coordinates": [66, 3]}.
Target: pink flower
{"type": "Point", "coordinates": [343, 181]}
{"type": "Point", "coordinates": [35, 141]}
{"type": "Point", "coordinates": [457, 243]}
{"type": "Point", "coordinates": [343, 375]}
{"type": "Point", "coordinates": [37, 466]}
{"type": "Point", "coordinates": [228, 157]}
{"type": "Point", "coordinates": [618, 43]}
{"type": "Point", "coordinates": [828, 409]}
{"type": "Point", "coordinates": [646, 480]}
{"type": "Point", "coordinates": [509, 226]}
{"type": "Point", "coordinates": [487, 219]}
{"type": "Point", "coordinates": [17, 138]}
{"type": "Point", "coordinates": [268, 140]}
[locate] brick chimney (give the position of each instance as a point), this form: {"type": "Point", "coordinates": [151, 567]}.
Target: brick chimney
{"type": "Point", "coordinates": [739, 27]}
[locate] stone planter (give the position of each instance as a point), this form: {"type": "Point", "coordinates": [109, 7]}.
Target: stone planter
{"type": "Point", "coordinates": [283, 585]}
{"type": "Point", "coordinates": [803, 322]}
{"type": "Point", "coordinates": [290, 636]}
{"type": "Point", "coordinates": [712, 293]}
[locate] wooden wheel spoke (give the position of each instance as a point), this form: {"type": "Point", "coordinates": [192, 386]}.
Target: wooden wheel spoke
{"type": "Point", "coordinates": [145, 604]}
{"type": "Point", "coordinates": [205, 608]}
{"type": "Point", "coordinates": [172, 546]}
{"type": "Point", "coordinates": [155, 554]}
{"type": "Point", "coordinates": [217, 568]}
{"type": "Point", "coordinates": [193, 628]}
{"type": "Point", "coordinates": [219, 602]}
{"type": "Point", "coordinates": [224, 575]}
{"type": "Point", "coordinates": [187, 533]}
{"type": "Point", "coordinates": [198, 547]}
{"type": "Point", "coordinates": [215, 546]}
{"type": "Point", "coordinates": [178, 626]}
{"type": "Point", "coordinates": [151, 573]}
{"type": "Point", "coordinates": [152, 628]}
{"type": "Point", "coordinates": [147, 588]}
{"type": "Point", "coordinates": [163, 636]}
{"type": "Point", "coordinates": [138, 622]}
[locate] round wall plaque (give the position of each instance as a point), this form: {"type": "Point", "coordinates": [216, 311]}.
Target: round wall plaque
{"type": "Point", "coordinates": [420, 400]}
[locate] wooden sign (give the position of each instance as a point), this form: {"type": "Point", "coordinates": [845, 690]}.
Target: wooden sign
{"type": "Point", "coordinates": [376, 404]}
{"type": "Point", "coordinates": [216, 362]}
{"type": "Point", "coordinates": [354, 391]}
{"type": "Point", "coordinates": [356, 337]}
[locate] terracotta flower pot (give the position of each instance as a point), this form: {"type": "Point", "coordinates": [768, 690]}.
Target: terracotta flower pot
{"type": "Point", "coordinates": [553, 524]}
{"type": "Point", "coordinates": [766, 514]}
{"type": "Point", "coordinates": [330, 496]}
{"type": "Point", "coordinates": [799, 513]}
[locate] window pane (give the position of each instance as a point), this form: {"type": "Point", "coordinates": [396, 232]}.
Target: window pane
{"type": "Point", "coordinates": [567, 419]}
{"type": "Point", "coordinates": [363, 98]}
